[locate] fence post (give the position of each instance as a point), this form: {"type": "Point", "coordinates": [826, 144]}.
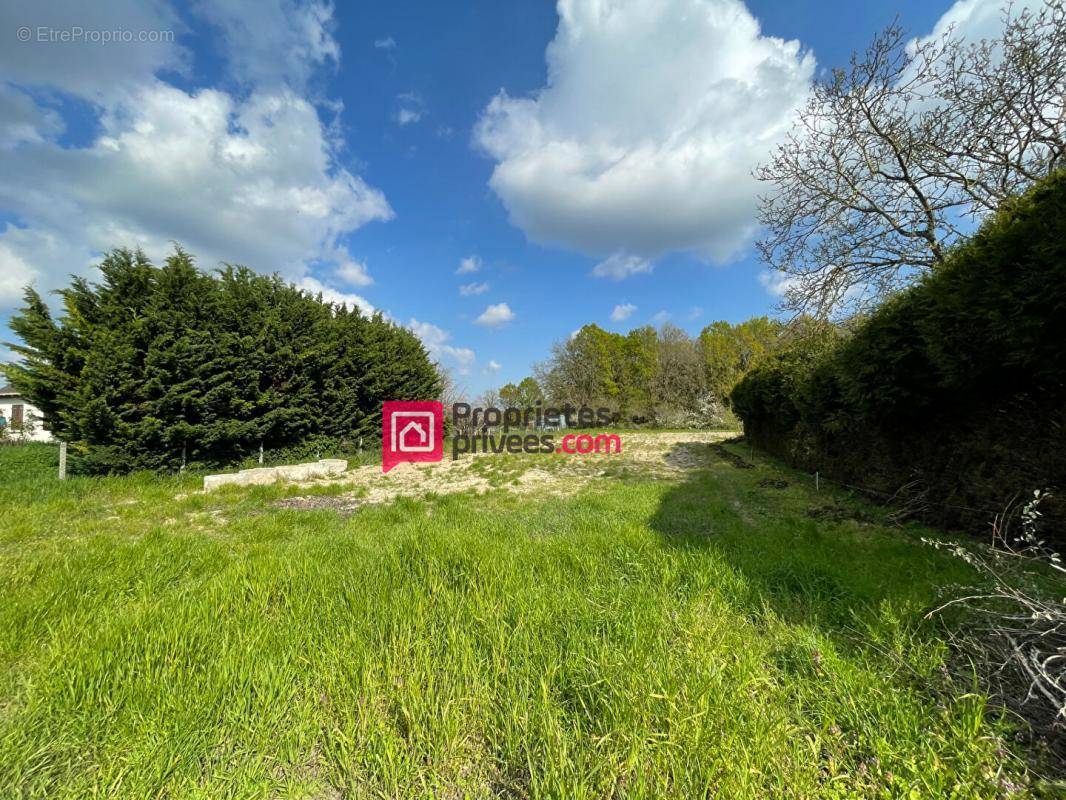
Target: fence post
{"type": "Point", "coordinates": [62, 461]}
{"type": "Point", "coordinates": [260, 452]}
{"type": "Point", "coordinates": [816, 481]}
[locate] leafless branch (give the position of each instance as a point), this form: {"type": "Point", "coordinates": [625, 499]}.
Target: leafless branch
{"type": "Point", "coordinates": [892, 156]}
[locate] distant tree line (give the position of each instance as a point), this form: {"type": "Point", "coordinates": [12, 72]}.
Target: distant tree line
{"type": "Point", "coordinates": [650, 377]}
{"type": "Point", "coordinates": [156, 367]}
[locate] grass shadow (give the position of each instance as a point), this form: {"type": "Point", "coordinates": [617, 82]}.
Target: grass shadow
{"type": "Point", "coordinates": [764, 518]}
{"type": "Point", "coordinates": [821, 560]}
{"type": "Point", "coordinates": [829, 562]}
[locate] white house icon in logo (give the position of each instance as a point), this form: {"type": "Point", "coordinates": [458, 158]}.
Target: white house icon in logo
{"type": "Point", "coordinates": [416, 436]}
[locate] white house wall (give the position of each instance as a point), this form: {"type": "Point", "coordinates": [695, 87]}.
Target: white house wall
{"type": "Point", "coordinates": [28, 413]}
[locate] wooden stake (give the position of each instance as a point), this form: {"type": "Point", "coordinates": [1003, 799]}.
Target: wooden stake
{"type": "Point", "coordinates": [62, 461]}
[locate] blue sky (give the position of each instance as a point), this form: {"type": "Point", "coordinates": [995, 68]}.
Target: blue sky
{"type": "Point", "coordinates": [587, 163]}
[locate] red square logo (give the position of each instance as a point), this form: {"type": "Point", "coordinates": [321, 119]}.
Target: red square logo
{"type": "Point", "coordinates": [411, 431]}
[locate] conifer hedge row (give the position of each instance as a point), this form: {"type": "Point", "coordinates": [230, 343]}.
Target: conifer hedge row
{"type": "Point", "coordinates": [952, 393]}
{"type": "Point", "coordinates": [159, 366]}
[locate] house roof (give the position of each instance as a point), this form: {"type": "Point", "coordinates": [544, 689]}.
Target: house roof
{"type": "Point", "coordinates": [8, 390]}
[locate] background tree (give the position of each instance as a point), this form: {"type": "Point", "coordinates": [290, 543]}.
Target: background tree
{"type": "Point", "coordinates": [662, 377]}
{"type": "Point", "coordinates": [525, 394]}
{"type": "Point", "coordinates": [730, 351]}
{"type": "Point", "coordinates": [891, 157]}
{"type": "Point", "coordinates": [679, 376]}
{"type": "Point", "coordinates": [583, 369]}
{"type": "Point", "coordinates": [639, 373]}
{"type": "Point", "coordinates": [452, 392]}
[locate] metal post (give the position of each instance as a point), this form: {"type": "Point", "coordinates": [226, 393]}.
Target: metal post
{"type": "Point", "coordinates": [62, 461]}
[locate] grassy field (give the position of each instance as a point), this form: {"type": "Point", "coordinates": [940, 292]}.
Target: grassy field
{"type": "Point", "coordinates": [715, 634]}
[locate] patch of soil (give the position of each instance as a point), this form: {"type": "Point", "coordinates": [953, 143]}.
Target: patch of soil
{"type": "Point", "coordinates": [835, 513]}
{"type": "Point", "coordinates": [687, 455]}
{"type": "Point", "coordinates": [731, 458]}
{"type": "Point", "coordinates": [770, 483]}
{"type": "Point", "coordinates": [345, 504]}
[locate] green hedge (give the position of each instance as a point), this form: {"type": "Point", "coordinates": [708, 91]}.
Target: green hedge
{"type": "Point", "coordinates": [952, 393]}
{"type": "Point", "coordinates": [159, 366]}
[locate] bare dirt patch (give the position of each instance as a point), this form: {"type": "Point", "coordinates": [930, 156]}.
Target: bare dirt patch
{"type": "Point", "coordinates": [731, 457]}
{"type": "Point", "coordinates": [838, 513]}
{"type": "Point", "coordinates": [652, 454]}
{"type": "Point", "coordinates": [771, 483]}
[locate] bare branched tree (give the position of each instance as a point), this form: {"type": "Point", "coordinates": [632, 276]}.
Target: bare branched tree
{"type": "Point", "coordinates": [893, 158]}
{"type": "Point", "coordinates": [451, 392]}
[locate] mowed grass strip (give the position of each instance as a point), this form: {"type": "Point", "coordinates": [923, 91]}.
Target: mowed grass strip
{"type": "Point", "coordinates": [702, 638]}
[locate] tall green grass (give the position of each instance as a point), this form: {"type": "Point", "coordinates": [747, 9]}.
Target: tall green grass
{"type": "Point", "coordinates": [640, 639]}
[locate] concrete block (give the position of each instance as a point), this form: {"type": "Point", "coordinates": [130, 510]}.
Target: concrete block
{"type": "Point", "coordinates": [214, 481]}
{"type": "Point", "coordinates": [334, 466]}
{"type": "Point", "coordinates": [260, 476]}
{"type": "Point", "coordinates": [300, 472]}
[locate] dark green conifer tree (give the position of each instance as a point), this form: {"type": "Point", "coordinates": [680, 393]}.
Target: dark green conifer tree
{"type": "Point", "coordinates": [159, 367]}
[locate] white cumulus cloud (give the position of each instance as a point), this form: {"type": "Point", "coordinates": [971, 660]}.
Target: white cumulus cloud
{"type": "Point", "coordinates": [274, 41]}
{"type": "Point", "coordinates": [90, 70]}
{"type": "Point", "coordinates": [619, 266]}
{"type": "Point", "coordinates": [410, 108]}
{"type": "Point", "coordinates": [15, 273]}
{"type": "Point", "coordinates": [469, 289]}
{"type": "Point", "coordinates": [468, 265]}
{"type": "Point", "coordinates": [622, 312]}
{"type": "Point", "coordinates": [436, 341]}
{"type": "Point", "coordinates": [495, 315]}
{"type": "Point", "coordinates": [776, 283]}
{"type": "Point", "coordinates": [314, 286]}
{"type": "Point", "coordinates": [974, 20]}
{"type": "Point", "coordinates": [644, 138]}
{"type": "Point", "coordinates": [251, 176]}
{"type": "Point", "coordinates": [353, 273]}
